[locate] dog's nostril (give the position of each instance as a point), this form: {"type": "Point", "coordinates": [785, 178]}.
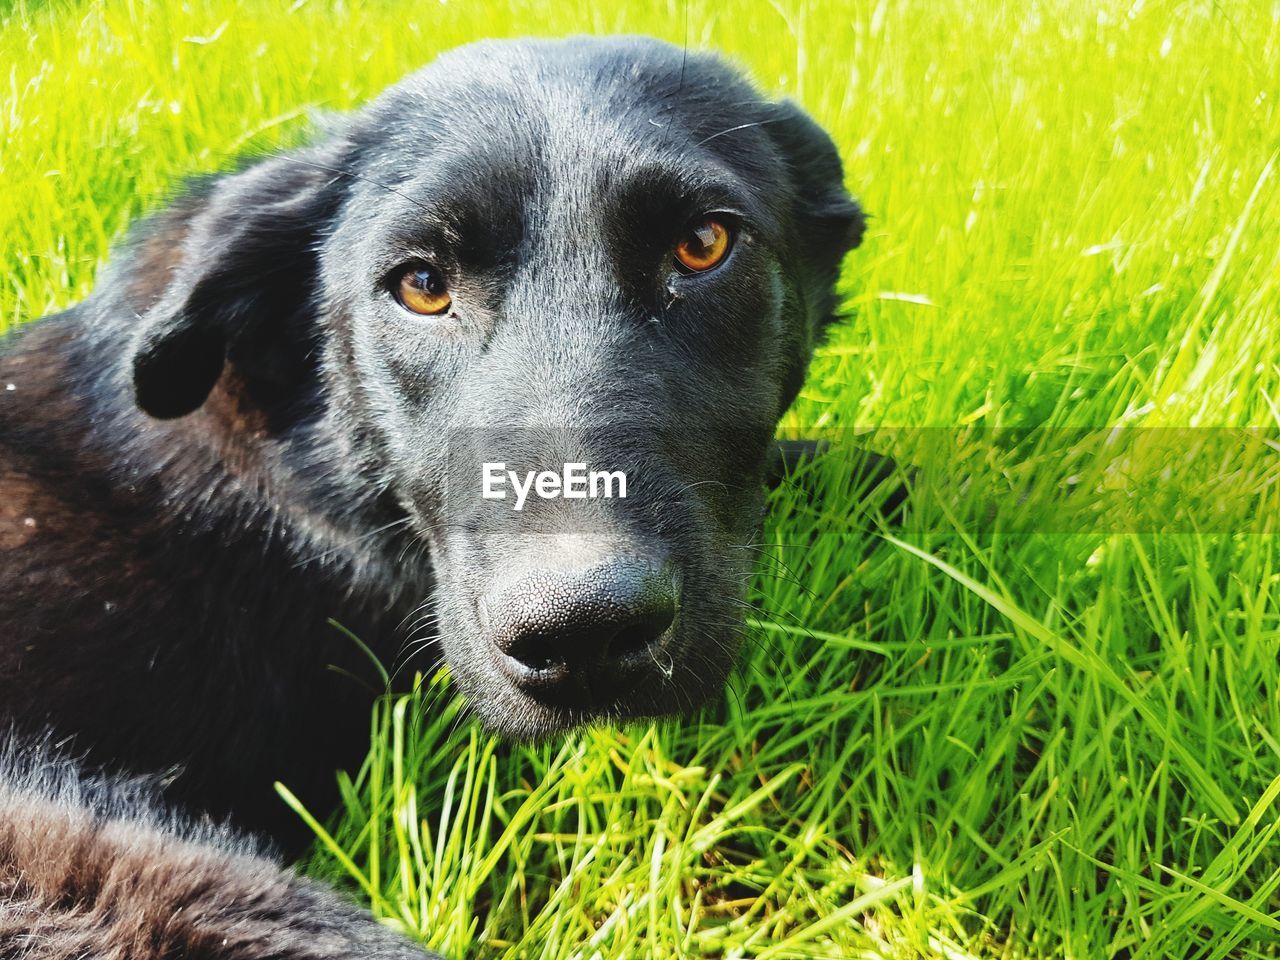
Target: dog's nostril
{"type": "Point", "coordinates": [636, 638]}
{"type": "Point", "coordinates": [553, 623]}
{"type": "Point", "coordinates": [534, 652]}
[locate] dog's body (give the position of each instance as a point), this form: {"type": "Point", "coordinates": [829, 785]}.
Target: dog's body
{"type": "Point", "coordinates": [240, 437]}
{"type": "Point", "coordinates": [163, 579]}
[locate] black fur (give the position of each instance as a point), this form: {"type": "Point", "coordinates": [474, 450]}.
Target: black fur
{"type": "Point", "coordinates": [241, 436]}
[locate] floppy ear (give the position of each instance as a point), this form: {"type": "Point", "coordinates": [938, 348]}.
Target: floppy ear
{"type": "Point", "coordinates": [240, 285]}
{"type": "Point", "coordinates": [830, 222]}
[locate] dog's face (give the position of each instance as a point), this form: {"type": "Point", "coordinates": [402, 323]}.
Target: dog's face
{"type": "Point", "coordinates": [595, 252]}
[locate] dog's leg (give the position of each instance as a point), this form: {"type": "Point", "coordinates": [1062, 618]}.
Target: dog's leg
{"type": "Point", "coordinates": [96, 868]}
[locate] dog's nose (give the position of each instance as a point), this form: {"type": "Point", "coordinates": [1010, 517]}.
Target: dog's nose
{"type": "Point", "coordinates": [553, 626]}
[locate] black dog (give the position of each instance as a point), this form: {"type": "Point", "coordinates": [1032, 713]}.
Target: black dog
{"type": "Point", "coordinates": [275, 410]}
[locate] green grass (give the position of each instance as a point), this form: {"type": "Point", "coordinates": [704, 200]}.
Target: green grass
{"type": "Point", "coordinates": [955, 742]}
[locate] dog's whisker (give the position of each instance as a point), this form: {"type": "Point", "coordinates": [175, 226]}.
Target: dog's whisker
{"type": "Point", "coordinates": [741, 126]}
{"type": "Point", "coordinates": [361, 538]}
{"type": "Point", "coordinates": [343, 172]}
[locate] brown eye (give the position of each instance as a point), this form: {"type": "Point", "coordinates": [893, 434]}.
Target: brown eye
{"type": "Point", "coordinates": [703, 246]}
{"type": "Point", "coordinates": [421, 290]}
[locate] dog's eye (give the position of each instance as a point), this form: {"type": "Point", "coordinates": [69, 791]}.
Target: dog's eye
{"type": "Point", "coordinates": [422, 290]}
{"type": "Point", "coordinates": [703, 246]}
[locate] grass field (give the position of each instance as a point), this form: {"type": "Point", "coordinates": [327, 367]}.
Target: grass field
{"type": "Point", "coordinates": [955, 742]}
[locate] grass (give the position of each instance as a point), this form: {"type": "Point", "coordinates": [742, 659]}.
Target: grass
{"type": "Point", "coordinates": [947, 740]}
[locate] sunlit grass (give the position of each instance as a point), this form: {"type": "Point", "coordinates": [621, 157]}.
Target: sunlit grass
{"type": "Point", "coordinates": [951, 742]}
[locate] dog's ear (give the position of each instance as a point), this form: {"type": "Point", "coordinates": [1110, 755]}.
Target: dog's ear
{"type": "Point", "coordinates": [830, 222]}
{"type": "Point", "coordinates": [237, 280]}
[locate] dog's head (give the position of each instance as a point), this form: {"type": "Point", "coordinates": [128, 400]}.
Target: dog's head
{"type": "Point", "coordinates": [603, 253]}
